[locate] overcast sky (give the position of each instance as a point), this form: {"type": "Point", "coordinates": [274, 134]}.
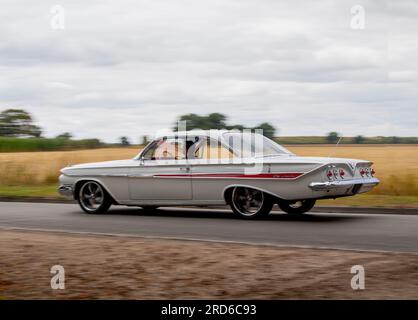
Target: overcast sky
{"type": "Point", "coordinates": [131, 67]}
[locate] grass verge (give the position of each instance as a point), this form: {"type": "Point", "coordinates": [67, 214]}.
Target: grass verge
{"type": "Point", "coordinates": [373, 200]}
{"type": "Point", "coordinates": [47, 191]}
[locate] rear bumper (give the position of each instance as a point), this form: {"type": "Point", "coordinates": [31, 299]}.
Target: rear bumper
{"type": "Point", "coordinates": [66, 191]}
{"type": "Point", "coordinates": [344, 184]}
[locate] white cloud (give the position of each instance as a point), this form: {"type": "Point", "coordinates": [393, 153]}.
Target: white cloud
{"type": "Point", "coordinates": [131, 67]}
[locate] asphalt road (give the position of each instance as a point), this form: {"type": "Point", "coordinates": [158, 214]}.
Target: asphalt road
{"type": "Point", "coordinates": [348, 231]}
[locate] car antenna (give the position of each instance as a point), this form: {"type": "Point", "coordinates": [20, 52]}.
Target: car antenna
{"type": "Point", "coordinates": [336, 145]}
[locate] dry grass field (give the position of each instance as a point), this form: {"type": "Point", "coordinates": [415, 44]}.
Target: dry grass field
{"type": "Point", "coordinates": [396, 165]}
{"type": "Point", "coordinates": [37, 168]}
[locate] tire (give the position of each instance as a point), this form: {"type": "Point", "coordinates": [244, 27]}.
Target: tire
{"type": "Point", "coordinates": [149, 207]}
{"type": "Point", "coordinates": [249, 203]}
{"type": "Point", "coordinates": [93, 198]}
{"type": "Point", "coordinates": [296, 207]}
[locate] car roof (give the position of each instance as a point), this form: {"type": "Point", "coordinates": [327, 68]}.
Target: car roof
{"type": "Point", "coordinates": [212, 133]}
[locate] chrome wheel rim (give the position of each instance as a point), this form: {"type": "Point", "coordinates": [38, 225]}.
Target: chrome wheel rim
{"type": "Point", "coordinates": [91, 196]}
{"type": "Point", "coordinates": [247, 202]}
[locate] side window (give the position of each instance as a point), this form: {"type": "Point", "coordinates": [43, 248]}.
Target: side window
{"type": "Point", "coordinates": [212, 149]}
{"type": "Point", "coordinates": [167, 149]}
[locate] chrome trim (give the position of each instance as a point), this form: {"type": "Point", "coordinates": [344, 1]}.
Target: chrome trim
{"type": "Point", "coordinates": [66, 191]}
{"type": "Point", "coordinates": [328, 185]}
{"type": "Point", "coordinates": [111, 175]}
{"type": "Point", "coordinates": [141, 175]}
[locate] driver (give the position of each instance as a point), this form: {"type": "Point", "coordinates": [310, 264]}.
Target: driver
{"type": "Point", "coordinates": [172, 150]}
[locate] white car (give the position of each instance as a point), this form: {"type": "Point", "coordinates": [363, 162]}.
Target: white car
{"type": "Point", "coordinates": [249, 172]}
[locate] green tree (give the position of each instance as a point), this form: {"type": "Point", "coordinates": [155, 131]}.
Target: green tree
{"type": "Point", "coordinates": [359, 139]}
{"type": "Point", "coordinates": [395, 139]}
{"type": "Point", "coordinates": [124, 141]}
{"type": "Point", "coordinates": [65, 135]}
{"type": "Point", "coordinates": [18, 123]}
{"type": "Point", "coordinates": [218, 121]}
{"type": "Point", "coordinates": [268, 129]}
{"type": "Point", "coordinates": [144, 140]}
{"type": "Point", "coordinates": [211, 121]}
{"type": "Point", "coordinates": [215, 121]}
{"type": "Point", "coordinates": [333, 137]}
{"type": "Point", "coordinates": [235, 127]}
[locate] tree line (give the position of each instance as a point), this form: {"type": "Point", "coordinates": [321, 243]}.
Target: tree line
{"type": "Point", "coordinates": [16, 124]}
{"type": "Point", "coordinates": [19, 133]}
{"type": "Point", "coordinates": [218, 121]}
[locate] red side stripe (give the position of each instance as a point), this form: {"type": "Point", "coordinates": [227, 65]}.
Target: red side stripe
{"type": "Point", "coordinates": [282, 175]}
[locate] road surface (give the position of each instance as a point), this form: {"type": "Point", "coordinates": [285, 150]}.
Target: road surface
{"type": "Point", "coordinates": [344, 231]}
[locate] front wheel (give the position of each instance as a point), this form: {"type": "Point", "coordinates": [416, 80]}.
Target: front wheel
{"type": "Point", "coordinates": [296, 207]}
{"type": "Point", "coordinates": [92, 198]}
{"type": "Point", "coordinates": [250, 203]}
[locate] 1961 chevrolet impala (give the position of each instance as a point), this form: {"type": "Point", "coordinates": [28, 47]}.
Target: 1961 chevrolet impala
{"type": "Point", "coordinates": [248, 171]}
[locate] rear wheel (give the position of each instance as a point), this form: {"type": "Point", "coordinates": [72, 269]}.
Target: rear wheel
{"type": "Point", "coordinates": [250, 203]}
{"type": "Point", "coordinates": [92, 198]}
{"type": "Point", "coordinates": [296, 207]}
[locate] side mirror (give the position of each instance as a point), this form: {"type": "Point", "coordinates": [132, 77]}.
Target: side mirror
{"type": "Point", "coordinates": [141, 161]}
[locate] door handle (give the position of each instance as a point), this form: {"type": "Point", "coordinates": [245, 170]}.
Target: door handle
{"type": "Point", "coordinates": [187, 169]}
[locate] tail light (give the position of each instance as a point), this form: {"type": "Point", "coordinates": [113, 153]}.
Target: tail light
{"type": "Point", "coordinates": [373, 172]}
{"type": "Point", "coordinates": [342, 173]}
{"type": "Point", "coordinates": [329, 174]}
{"type": "Point", "coordinates": [362, 172]}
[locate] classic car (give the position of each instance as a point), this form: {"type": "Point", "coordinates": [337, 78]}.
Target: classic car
{"type": "Point", "coordinates": [247, 171]}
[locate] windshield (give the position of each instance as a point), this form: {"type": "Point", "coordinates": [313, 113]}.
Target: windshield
{"type": "Point", "coordinates": [253, 145]}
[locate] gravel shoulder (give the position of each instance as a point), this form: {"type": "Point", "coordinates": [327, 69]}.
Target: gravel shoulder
{"type": "Point", "coordinates": [107, 267]}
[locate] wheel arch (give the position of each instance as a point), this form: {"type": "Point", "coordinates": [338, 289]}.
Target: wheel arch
{"type": "Point", "coordinates": [227, 192]}
{"type": "Point", "coordinates": [80, 182]}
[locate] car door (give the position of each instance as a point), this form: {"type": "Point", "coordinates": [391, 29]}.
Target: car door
{"type": "Point", "coordinates": [163, 173]}
{"type": "Point", "coordinates": [213, 168]}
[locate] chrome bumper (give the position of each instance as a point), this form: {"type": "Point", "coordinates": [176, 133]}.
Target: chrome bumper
{"type": "Point", "coordinates": [66, 191]}
{"type": "Point", "coordinates": [337, 184]}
